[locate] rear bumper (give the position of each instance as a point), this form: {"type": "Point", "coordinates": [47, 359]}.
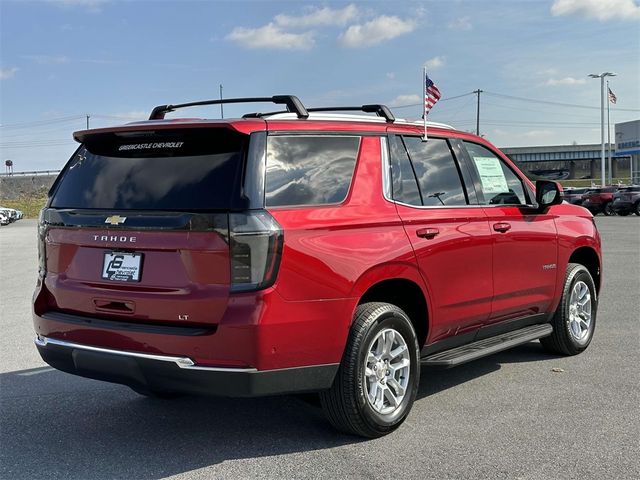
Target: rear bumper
{"type": "Point", "coordinates": [166, 373]}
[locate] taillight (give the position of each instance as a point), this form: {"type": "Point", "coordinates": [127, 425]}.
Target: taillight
{"type": "Point", "coordinates": [255, 243]}
{"type": "Point", "coordinates": [42, 250]}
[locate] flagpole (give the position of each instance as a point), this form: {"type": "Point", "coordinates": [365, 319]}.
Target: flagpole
{"type": "Point", "coordinates": [609, 136]}
{"type": "Point", "coordinates": [424, 102]}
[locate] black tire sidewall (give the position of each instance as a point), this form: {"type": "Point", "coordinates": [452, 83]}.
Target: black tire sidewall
{"type": "Point", "coordinates": [398, 321]}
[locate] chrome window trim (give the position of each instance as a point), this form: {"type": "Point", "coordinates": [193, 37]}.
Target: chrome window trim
{"type": "Point", "coordinates": [386, 186]}
{"type": "Point", "coordinates": [386, 168]}
{"type": "Point", "coordinates": [461, 206]}
{"type": "Point", "coordinates": [182, 362]}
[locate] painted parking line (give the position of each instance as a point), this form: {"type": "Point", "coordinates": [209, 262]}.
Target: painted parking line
{"type": "Point", "coordinates": [36, 371]}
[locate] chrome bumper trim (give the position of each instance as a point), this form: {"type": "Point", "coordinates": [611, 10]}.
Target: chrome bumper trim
{"type": "Point", "coordinates": [182, 362]}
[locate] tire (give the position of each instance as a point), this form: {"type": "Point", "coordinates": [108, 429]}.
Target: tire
{"type": "Point", "coordinates": [364, 372]}
{"type": "Point", "coordinates": [607, 209]}
{"type": "Point", "coordinates": [623, 213]}
{"type": "Point", "coordinates": [636, 208]}
{"type": "Point", "coordinates": [572, 333]}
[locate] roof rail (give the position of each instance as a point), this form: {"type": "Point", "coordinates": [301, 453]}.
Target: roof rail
{"type": "Point", "coordinates": [292, 102]}
{"type": "Point", "coordinates": [380, 110]}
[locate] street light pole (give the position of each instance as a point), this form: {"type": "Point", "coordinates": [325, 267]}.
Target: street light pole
{"type": "Point", "coordinates": [602, 96]}
{"type": "Point", "coordinates": [609, 136]}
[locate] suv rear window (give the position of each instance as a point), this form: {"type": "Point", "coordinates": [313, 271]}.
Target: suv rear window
{"type": "Point", "coordinates": [188, 170]}
{"type": "Point", "coordinates": [309, 170]}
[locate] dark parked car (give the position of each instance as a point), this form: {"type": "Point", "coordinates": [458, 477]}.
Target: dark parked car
{"type": "Point", "coordinates": [574, 195]}
{"type": "Point", "coordinates": [304, 252]}
{"type": "Point", "coordinates": [627, 200]}
{"type": "Point", "coordinates": [599, 200]}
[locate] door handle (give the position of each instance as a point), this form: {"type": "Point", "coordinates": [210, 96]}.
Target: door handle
{"type": "Point", "coordinates": [427, 233]}
{"type": "Point", "coordinates": [502, 227]}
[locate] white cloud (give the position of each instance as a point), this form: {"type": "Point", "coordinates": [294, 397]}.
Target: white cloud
{"type": "Point", "coordinates": [376, 31]}
{"type": "Point", "coordinates": [462, 23]}
{"type": "Point", "coordinates": [403, 100]}
{"type": "Point", "coordinates": [271, 37]}
{"type": "Point", "coordinates": [567, 81]}
{"type": "Point", "coordinates": [48, 59]}
{"type": "Point", "coordinates": [598, 9]}
{"type": "Point", "coordinates": [6, 73]}
{"type": "Point", "coordinates": [537, 134]}
{"type": "Point", "coordinates": [435, 63]}
{"type": "Point", "coordinates": [548, 71]}
{"type": "Point", "coordinates": [319, 17]}
{"type": "Point", "coordinates": [93, 6]}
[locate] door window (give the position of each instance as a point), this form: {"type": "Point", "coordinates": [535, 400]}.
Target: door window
{"type": "Point", "coordinates": [499, 184]}
{"type": "Point", "coordinates": [437, 172]}
{"type": "Point", "coordinates": [404, 185]}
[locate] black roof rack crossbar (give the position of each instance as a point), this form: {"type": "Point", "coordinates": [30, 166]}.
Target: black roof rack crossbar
{"type": "Point", "coordinates": [380, 110]}
{"type": "Point", "coordinates": [292, 102]}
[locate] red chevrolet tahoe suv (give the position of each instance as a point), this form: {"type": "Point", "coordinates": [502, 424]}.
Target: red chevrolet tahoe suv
{"type": "Point", "coordinates": [304, 251]}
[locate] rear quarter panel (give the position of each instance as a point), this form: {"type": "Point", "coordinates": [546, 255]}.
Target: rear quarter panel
{"type": "Point", "coordinates": [338, 251]}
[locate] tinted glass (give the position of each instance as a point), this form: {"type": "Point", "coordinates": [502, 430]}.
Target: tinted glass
{"type": "Point", "coordinates": [191, 170]}
{"type": "Point", "coordinates": [436, 171]}
{"type": "Point", "coordinates": [306, 170]}
{"type": "Point", "coordinates": [404, 184]}
{"type": "Point", "coordinates": [500, 185]}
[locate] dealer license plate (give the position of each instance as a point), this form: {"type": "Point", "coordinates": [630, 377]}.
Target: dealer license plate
{"type": "Point", "coordinates": [122, 267]}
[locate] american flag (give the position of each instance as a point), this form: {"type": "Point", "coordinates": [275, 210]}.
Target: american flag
{"type": "Point", "coordinates": [431, 94]}
{"type": "Point", "coordinates": [612, 97]}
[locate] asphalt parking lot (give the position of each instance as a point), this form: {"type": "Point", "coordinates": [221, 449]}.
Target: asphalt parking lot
{"type": "Point", "coordinates": [507, 416]}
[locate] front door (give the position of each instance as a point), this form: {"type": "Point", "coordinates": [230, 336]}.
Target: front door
{"type": "Point", "coordinates": [525, 244]}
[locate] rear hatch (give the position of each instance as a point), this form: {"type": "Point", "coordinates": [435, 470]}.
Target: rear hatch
{"type": "Point", "coordinates": [143, 227]}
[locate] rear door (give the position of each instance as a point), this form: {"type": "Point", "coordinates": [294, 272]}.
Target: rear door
{"type": "Point", "coordinates": [525, 243]}
{"type": "Point", "coordinates": [138, 225]}
{"type": "Point", "coordinates": [450, 237]}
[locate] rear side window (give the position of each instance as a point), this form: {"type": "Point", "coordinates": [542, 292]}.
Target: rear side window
{"type": "Point", "coordinates": [404, 185]}
{"type": "Point", "coordinates": [309, 170]}
{"type": "Point", "coordinates": [436, 171]}
{"type": "Point", "coordinates": [500, 185]}
{"type": "Point", "coordinates": [186, 170]}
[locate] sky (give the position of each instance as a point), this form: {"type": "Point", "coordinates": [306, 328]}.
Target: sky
{"type": "Point", "coordinates": [61, 60]}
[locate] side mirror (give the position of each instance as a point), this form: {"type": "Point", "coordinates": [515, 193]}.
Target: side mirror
{"type": "Point", "coordinates": [548, 193]}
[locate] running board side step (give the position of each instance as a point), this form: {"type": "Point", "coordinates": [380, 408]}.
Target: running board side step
{"type": "Point", "coordinates": [481, 348]}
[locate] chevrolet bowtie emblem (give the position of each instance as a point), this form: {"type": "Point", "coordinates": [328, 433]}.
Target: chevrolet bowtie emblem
{"type": "Point", "coordinates": [115, 220]}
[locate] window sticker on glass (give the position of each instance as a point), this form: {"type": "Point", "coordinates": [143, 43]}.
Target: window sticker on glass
{"type": "Point", "coordinates": [491, 175]}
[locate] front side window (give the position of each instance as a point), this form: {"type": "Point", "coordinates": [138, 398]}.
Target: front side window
{"type": "Point", "coordinates": [500, 185]}
{"type": "Point", "coordinates": [309, 170]}
{"type": "Point", "coordinates": [436, 171]}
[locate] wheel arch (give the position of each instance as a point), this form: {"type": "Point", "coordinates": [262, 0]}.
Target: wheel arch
{"type": "Point", "coordinates": [406, 294]}
{"type": "Point", "coordinates": [588, 257]}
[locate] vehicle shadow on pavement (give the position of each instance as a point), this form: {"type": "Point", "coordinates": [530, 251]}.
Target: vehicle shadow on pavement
{"type": "Point", "coordinates": [435, 380]}
{"type": "Point", "coordinates": [59, 425]}
{"type": "Point", "coordinates": [56, 425]}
